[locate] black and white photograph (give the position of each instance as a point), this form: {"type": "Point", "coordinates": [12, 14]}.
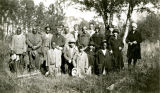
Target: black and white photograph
{"type": "Point", "coordinates": [79, 46]}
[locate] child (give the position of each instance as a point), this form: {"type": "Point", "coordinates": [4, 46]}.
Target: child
{"type": "Point", "coordinates": [103, 59]}
{"type": "Point", "coordinates": [81, 62]}
{"type": "Point", "coordinates": [54, 60]}
{"type": "Point", "coordinates": [91, 58]}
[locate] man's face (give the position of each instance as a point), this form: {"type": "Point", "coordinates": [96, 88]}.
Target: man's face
{"type": "Point", "coordinates": [104, 45]}
{"type": "Point", "coordinates": [111, 29]}
{"type": "Point", "coordinates": [19, 31]}
{"type": "Point", "coordinates": [71, 45]}
{"type": "Point", "coordinates": [34, 31]}
{"type": "Point", "coordinates": [84, 29]}
{"type": "Point", "coordinates": [115, 34]}
{"type": "Point", "coordinates": [47, 30]}
{"type": "Point", "coordinates": [76, 27]}
{"type": "Point", "coordinates": [59, 30]}
{"type": "Point", "coordinates": [92, 26]}
{"type": "Point", "coordinates": [53, 45]}
{"type": "Point", "coordinates": [97, 30]}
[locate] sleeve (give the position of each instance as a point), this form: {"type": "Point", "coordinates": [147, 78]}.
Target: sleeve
{"type": "Point", "coordinates": [65, 54]}
{"type": "Point", "coordinates": [139, 37]}
{"type": "Point", "coordinates": [48, 57]}
{"type": "Point", "coordinates": [40, 42]}
{"type": "Point", "coordinates": [28, 42]}
{"type": "Point", "coordinates": [128, 38]}
{"type": "Point", "coordinates": [24, 44]}
{"type": "Point", "coordinates": [86, 61]}
{"type": "Point", "coordinates": [12, 43]}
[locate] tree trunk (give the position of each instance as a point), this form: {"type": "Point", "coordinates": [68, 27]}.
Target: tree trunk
{"type": "Point", "coordinates": [130, 10]}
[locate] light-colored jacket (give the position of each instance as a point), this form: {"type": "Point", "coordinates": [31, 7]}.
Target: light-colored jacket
{"type": "Point", "coordinates": [69, 53]}
{"type": "Point", "coordinates": [18, 44]}
{"type": "Point", "coordinates": [54, 57]}
{"type": "Point", "coordinates": [81, 60]}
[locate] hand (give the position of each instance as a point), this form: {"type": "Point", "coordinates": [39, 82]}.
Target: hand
{"type": "Point", "coordinates": [130, 43]}
{"type": "Point", "coordinates": [111, 52]}
{"type": "Point", "coordinates": [70, 61]}
{"type": "Point", "coordinates": [134, 42]}
{"type": "Point", "coordinates": [120, 48]}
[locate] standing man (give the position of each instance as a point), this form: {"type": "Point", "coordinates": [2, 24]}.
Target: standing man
{"type": "Point", "coordinates": [134, 39]}
{"type": "Point", "coordinates": [84, 38]}
{"type": "Point", "coordinates": [59, 42]}
{"type": "Point", "coordinates": [97, 38]}
{"type": "Point", "coordinates": [18, 47]}
{"type": "Point", "coordinates": [70, 51]}
{"type": "Point", "coordinates": [34, 42]}
{"type": "Point", "coordinates": [76, 32]}
{"type": "Point", "coordinates": [116, 45]}
{"type": "Point", "coordinates": [91, 29]}
{"type": "Point", "coordinates": [46, 43]}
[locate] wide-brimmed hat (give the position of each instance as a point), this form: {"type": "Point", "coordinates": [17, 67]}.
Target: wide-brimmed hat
{"type": "Point", "coordinates": [74, 72]}
{"type": "Point", "coordinates": [115, 31]}
{"type": "Point", "coordinates": [91, 43]}
{"type": "Point", "coordinates": [72, 41]}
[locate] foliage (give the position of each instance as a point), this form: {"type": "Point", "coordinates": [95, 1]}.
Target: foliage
{"type": "Point", "coordinates": [149, 27]}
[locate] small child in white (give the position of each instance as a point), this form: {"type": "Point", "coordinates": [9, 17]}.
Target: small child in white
{"type": "Point", "coordinates": [54, 60]}
{"type": "Point", "coordinates": [81, 62]}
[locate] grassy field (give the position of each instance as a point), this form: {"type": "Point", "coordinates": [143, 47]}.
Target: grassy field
{"type": "Point", "coordinates": [144, 79]}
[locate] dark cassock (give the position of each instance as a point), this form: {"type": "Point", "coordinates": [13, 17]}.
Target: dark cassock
{"type": "Point", "coordinates": [116, 45]}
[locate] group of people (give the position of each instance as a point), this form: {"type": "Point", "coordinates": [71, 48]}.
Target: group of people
{"type": "Point", "coordinates": [80, 52]}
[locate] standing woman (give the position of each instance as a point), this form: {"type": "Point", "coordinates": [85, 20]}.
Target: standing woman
{"type": "Point", "coordinates": [134, 39]}
{"type": "Point", "coordinates": [116, 45]}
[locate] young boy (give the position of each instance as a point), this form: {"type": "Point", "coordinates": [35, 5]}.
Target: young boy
{"type": "Point", "coordinates": [54, 60]}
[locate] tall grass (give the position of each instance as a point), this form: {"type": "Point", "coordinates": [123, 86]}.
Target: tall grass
{"type": "Point", "coordinates": [144, 79]}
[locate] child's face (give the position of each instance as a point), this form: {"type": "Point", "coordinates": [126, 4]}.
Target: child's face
{"type": "Point", "coordinates": [53, 45]}
{"type": "Point", "coordinates": [104, 45]}
{"type": "Point", "coordinates": [81, 50]}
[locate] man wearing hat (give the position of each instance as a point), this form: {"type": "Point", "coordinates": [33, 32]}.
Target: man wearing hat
{"type": "Point", "coordinates": [97, 38]}
{"type": "Point", "coordinates": [70, 51]}
{"type": "Point", "coordinates": [116, 45]}
{"type": "Point", "coordinates": [133, 40]}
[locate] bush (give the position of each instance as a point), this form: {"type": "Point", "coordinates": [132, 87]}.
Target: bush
{"type": "Point", "coordinates": [149, 27]}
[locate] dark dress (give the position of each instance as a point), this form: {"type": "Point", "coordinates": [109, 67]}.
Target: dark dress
{"type": "Point", "coordinates": [103, 61]}
{"type": "Point", "coordinates": [134, 51]}
{"type": "Point", "coordinates": [97, 39]}
{"type": "Point", "coordinates": [114, 45]}
{"type": "Point", "coordinates": [91, 59]}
